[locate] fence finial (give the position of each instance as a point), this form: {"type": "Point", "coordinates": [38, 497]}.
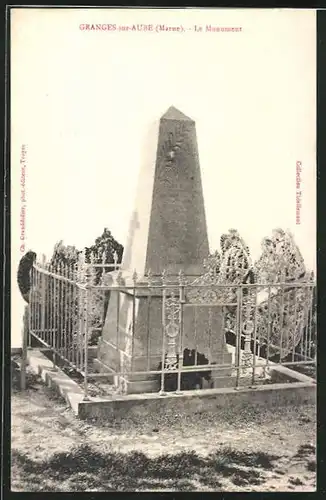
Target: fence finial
{"type": "Point", "coordinates": [81, 265]}
{"type": "Point", "coordinates": [103, 257]}
{"type": "Point", "coordinates": [134, 276]}
{"type": "Point", "coordinates": [149, 277]}
{"type": "Point", "coordinates": [88, 271]}
{"type": "Point", "coordinates": [164, 276]}
{"type": "Point", "coordinates": [43, 260]}
{"type": "Point", "coordinates": [181, 277]}
{"type": "Point", "coordinates": [82, 258]}
{"type": "Point", "coordinates": [75, 271]}
{"type": "Point", "coordinates": [73, 268]}
{"type": "Point", "coordinates": [119, 278]}
{"type": "Point", "coordinates": [115, 259]}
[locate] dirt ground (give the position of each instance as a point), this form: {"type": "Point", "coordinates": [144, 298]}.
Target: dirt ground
{"type": "Point", "coordinates": [54, 451]}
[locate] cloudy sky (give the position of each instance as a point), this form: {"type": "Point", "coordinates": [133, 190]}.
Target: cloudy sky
{"type": "Point", "coordinates": [83, 101]}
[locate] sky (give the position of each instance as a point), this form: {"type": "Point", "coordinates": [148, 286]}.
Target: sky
{"type": "Point", "coordinates": [83, 101]}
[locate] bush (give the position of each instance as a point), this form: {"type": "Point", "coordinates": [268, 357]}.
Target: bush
{"type": "Point", "coordinates": [68, 316]}
{"type": "Point", "coordinates": [24, 274]}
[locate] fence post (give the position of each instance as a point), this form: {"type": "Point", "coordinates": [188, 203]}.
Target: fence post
{"type": "Point", "coordinates": [238, 336]}
{"type": "Point", "coordinates": [30, 307]}
{"type": "Point", "coordinates": [79, 345]}
{"type": "Point", "coordinates": [180, 347]}
{"type": "Point", "coordinates": [43, 292]}
{"type": "Point", "coordinates": [134, 281]}
{"type": "Point", "coordinates": [115, 260]}
{"type": "Point", "coordinates": [247, 311]}
{"type": "Point", "coordinates": [164, 280]}
{"type": "Point", "coordinates": [88, 293]}
{"type": "Point", "coordinates": [55, 312]}
{"type": "Point", "coordinates": [25, 332]}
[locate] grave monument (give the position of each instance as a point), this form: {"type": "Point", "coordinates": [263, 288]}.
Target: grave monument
{"type": "Point", "coordinates": [167, 233]}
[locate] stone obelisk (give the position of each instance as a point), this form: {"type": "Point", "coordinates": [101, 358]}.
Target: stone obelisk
{"type": "Point", "coordinates": [167, 232]}
{"type": "Point", "coordinates": [168, 228]}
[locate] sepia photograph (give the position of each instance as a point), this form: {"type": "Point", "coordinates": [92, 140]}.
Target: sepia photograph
{"type": "Point", "coordinates": [163, 250]}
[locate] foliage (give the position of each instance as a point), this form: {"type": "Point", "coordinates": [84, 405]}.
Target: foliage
{"type": "Point", "coordinates": [24, 274]}
{"type": "Point", "coordinates": [103, 251]}
{"type": "Point", "coordinates": [68, 300]}
{"type": "Point", "coordinates": [280, 262]}
{"type": "Point", "coordinates": [64, 255]}
{"type": "Point", "coordinates": [115, 471]}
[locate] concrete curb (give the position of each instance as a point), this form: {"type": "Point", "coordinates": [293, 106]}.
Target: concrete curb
{"type": "Point", "coordinates": [16, 351]}
{"type": "Point", "coordinates": [302, 391]}
{"type": "Point", "coordinates": [278, 370]}
{"type": "Point", "coordinates": [207, 400]}
{"type": "Point", "coordinates": [56, 379]}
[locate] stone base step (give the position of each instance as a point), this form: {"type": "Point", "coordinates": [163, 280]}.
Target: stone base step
{"type": "Point", "coordinates": [223, 382]}
{"type": "Point", "coordinates": [137, 384]}
{"type": "Point", "coordinates": [102, 373]}
{"type": "Point", "coordinates": [142, 386]}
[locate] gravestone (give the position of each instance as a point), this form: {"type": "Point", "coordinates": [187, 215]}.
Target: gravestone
{"type": "Point", "coordinates": [167, 232]}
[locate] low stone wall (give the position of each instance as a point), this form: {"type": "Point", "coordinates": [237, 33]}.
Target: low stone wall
{"type": "Point", "coordinates": [138, 406]}
{"type": "Point", "coordinates": [303, 391]}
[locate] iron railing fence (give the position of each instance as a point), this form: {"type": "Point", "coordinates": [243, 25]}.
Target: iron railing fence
{"type": "Point", "coordinates": [177, 330]}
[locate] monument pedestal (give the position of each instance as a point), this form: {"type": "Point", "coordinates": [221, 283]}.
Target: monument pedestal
{"type": "Point", "coordinates": [168, 233]}
{"type": "Point", "coordinates": [135, 335]}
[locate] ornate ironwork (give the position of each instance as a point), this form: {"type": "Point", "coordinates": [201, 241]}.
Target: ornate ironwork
{"type": "Point", "coordinates": [235, 262]}
{"type": "Point", "coordinates": [230, 267]}
{"type": "Point", "coordinates": [281, 259]}
{"type": "Point", "coordinates": [276, 309]}
{"type": "Point", "coordinates": [281, 262]}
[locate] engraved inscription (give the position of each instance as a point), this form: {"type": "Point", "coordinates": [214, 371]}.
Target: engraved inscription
{"type": "Point", "coordinates": [176, 139]}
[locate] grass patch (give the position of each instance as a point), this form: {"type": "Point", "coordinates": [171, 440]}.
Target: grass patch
{"type": "Point", "coordinates": [85, 468]}
{"type": "Point", "coordinates": [296, 481]}
{"type": "Point", "coordinates": [309, 370]}
{"type": "Point", "coordinates": [311, 466]}
{"type": "Point", "coordinates": [226, 452]}
{"type": "Point", "coordinates": [305, 450]}
{"type": "Point", "coordinates": [33, 382]}
{"type": "Point", "coordinates": [31, 378]}
{"type": "Point", "coordinates": [255, 459]}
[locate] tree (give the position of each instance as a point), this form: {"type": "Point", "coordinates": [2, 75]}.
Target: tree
{"type": "Point", "coordinates": [103, 251]}
{"type": "Point", "coordinates": [281, 312]}
{"type": "Point", "coordinates": [280, 260]}
{"type": "Point", "coordinates": [284, 326]}
{"type": "Point", "coordinates": [236, 265]}
{"type": "Point", "coordinates": [64, 255]}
